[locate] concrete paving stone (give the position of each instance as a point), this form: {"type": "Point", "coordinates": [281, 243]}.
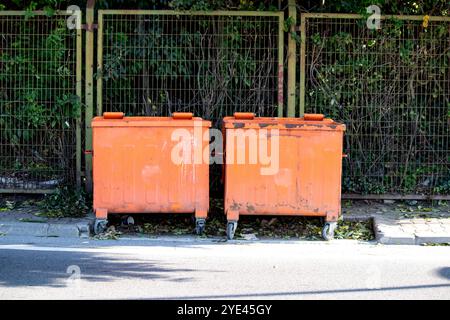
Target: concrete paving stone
{"type": "Point", "coordinates": [433, 221]}
{"type": "Point", "coordinates": [432, 237]}
{"type": "Point", "coordinates": [396, 238]}
{"type": "Point", "coordinates": [419, 221]}
{"type": "Point", "coordinates": [437, 228]}
{"type": "Point", "coordinates": [386, 219]}
{"type": "Point", "coordinates": [404, 221]}
{"type": "Point", "coordinates": [390, 230]}
{"type": "Point", "coordinates": [63, 230]}
{"type": "Point", "coordinates": [69, 230]}
{"type": "Point", "coordinates": [24, 228]}
{"type": "Point", "coordinates": [408, 229]}
{"type": "Point", "coordinates": [84, 230]}
{"type": "Point", "coordinates": [422, 227]}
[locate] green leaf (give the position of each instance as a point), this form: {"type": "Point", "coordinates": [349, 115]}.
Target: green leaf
{"type": "Point", "coordinates": [49, 12]}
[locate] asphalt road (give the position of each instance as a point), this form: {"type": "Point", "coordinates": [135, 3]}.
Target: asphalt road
{"type": "Point", "coordinates": [53, 268]}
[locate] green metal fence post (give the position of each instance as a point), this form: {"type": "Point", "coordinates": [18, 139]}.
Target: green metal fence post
{"type": "Point", "coordinates": [89, 94]}
{"type": "Point", "coordinates": [280, 65]}
{"type": "Point", "coordinates": [99, 63]}
{"type": "Point", "coordinates": [302, 64]}
{"type": "Point", "coordinates": [291, 60]}
{"type": "Point", "coordinates": [79, 93]}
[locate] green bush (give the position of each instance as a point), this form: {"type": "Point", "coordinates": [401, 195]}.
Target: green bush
{"type": "Point", "coordinates": [66, 202]}
{"type": "Point", "coordinates": [388, 87]}
{"type": "Point", "coordinates": [38, 105]}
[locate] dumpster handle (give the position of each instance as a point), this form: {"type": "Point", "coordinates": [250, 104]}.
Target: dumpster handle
{"type": "Point", "coordinates": [113, 115]}
{"type": "Point", "coordinates": [313, 117]}
{"type": "Point", "coordinates": [244, 115]}
{"type": "Point", "coordinates": [182, 115]}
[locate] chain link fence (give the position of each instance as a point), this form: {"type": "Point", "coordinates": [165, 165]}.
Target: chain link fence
{"type": "Point", "coordinates": [391, 87]}
{"type": "Point", "coordinates": [40, 81]}
{"type": "Point", "coordinates": [212, 64]}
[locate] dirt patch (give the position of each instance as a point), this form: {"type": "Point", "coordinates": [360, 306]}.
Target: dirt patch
{"type": "Point", "coordinates": [399, 209]}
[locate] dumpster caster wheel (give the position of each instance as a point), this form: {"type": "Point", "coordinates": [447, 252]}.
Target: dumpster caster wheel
{"type": "Point", "coordinates": [231, 229]}
{"type": "Point", "coordinates": [199, 226]}
{"type": "Point", "coordinates": [100, 226]}
{"type": "Point", "coordinates": [328, 230]}
{"type": "Point", "coordinates": [128, 221]}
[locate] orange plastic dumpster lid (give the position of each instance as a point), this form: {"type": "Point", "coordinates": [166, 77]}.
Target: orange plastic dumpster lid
{"type": "Point", "coordinates": [178, 119]}
{"type": "Point", "coordinates": [308, 122]}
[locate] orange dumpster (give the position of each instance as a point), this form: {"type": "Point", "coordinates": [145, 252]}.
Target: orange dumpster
{"type": "Point", "coordinates": [283, 166]}
{"type": "Point", "coordinates": [150, 165]}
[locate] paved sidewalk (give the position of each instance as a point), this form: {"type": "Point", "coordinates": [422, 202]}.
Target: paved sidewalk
{"type": "Point", "coordinates": [398, 223]}
{"type": "Point", "coordinates": [417, 230]}
{"type": "Point", "coordinates": [26, 223]}
{"type": "Point", "coordinates": [393, 222]}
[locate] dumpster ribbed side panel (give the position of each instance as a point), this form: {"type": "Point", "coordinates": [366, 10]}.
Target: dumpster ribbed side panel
{"type": "Point", "coordinates": [307, 180]}
{"type": "Point", "coordinates": [134, 171]}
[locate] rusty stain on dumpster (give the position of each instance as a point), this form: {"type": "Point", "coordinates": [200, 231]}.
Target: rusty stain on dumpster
{"type": "Point", "coordinates": [133, 171]}
{"type": "Point", "coordinates": [308, 180]}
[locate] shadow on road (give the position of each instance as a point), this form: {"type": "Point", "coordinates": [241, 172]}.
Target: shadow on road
{"type": "Point", "coordinates": [444, 272]}
{"type": "Point", "coordinates": [54, 269]}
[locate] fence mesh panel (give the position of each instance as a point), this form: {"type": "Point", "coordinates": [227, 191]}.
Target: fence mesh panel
{"type": "Point", "coordinates": [38, 102]}
{"type": "Point", "coordinates": [211, 65]}
{"type": "Point", "coordinates": [391, 87]}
